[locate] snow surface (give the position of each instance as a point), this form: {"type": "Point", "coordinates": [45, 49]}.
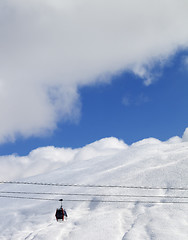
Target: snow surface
{"type": "Point", "coordinates": [109, 161]}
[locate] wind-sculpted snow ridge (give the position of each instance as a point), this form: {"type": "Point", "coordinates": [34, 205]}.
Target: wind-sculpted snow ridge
{"type": "Point", "coordinates": [109, 161]}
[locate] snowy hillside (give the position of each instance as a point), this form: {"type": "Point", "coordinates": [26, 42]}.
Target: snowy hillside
{"type": "Point", "coordinates": [148, 163]}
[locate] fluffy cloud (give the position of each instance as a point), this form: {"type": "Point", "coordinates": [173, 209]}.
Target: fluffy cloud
{"type": "Point", "coordinates": [137, 101]}
{"type": "Point", "coordinates": [185, 135]}
{"type": "Point", "coordinates": [51, 48]}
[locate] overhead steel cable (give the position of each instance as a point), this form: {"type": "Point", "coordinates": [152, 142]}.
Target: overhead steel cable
{"type": "Point", "coordinates": [95, 200]}
{"type": "Point", "coordinates": [92, 195]}
{"type": "Point", "coordinates": [96, 186]}
{"type": "Point", "coordinates": [29, 198]}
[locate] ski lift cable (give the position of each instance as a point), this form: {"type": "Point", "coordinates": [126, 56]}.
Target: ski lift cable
{"type": "Point", "coordinates": [92, 195]}
{"type": "Point", "coordinates": [29, 198]}
{"type": "Point", "coordinates": [95, 186]}
{"type": "Point", "coordinates": [95, 200]}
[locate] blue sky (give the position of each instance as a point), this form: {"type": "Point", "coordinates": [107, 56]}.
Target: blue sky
{"type": "Point", "coordinates": [124, 108]}
{"type": "Point", "coordinates": [71, 75]}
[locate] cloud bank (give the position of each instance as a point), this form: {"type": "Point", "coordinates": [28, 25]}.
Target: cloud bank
{"type": "Point", "coordinates": [49, 49]}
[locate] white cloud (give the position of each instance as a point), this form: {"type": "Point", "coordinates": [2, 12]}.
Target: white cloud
{"type": "Point", "coordinates": [185, 61]}
{"type": "Point", "coordinates": [50, 48]}
{"type": "Point", "coordinates": [126, 100]}
{"type": "Point", "coordinates": [136, 100]}
{"type": "Point", "coordinates": [185, 135]}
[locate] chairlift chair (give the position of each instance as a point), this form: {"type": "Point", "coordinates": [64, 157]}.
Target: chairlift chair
{"type": "Point", "coordinates": [60, 212]}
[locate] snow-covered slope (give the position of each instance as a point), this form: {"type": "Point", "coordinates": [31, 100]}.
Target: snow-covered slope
{"type": "Point", "coordinates": [106, 162]}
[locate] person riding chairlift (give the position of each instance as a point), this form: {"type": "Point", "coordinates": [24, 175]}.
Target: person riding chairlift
{"type": "Point", "coordinates": [60, 213]}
